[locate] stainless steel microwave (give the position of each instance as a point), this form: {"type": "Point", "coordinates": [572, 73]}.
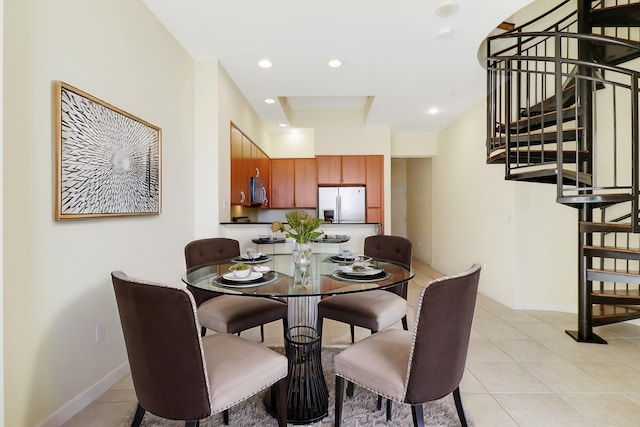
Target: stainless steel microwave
{"type": "Point", "coordinates": [257, 192]}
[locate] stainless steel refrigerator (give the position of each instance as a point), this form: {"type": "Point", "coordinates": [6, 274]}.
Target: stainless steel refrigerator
{"type": "Point", "coordinates": [342, 204]}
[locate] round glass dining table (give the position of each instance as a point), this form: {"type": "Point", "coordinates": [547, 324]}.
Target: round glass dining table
{"type": "Point", "coordinates": [302, 285]}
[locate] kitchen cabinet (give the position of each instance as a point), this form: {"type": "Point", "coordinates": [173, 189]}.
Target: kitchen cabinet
{"type": "Point", "coordinates": [247, 160]}
{"type": "Point", "coordinates": [341, 170]}
{"type": "Point", "coordinates": [375, 188]}
{"type": "Point", "coordinates": [293, 183]}
{"type": "Point", "coordinates": [239, 186]}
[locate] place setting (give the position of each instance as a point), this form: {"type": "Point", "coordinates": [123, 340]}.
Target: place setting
{"type": "Point", "coordinates": [360, 271]}
{"type": "Point", "coordinates": [252, 257]}
{"type": "Point", "coordinates": [346, 256]}
{"type": "Point", "coordinates": [242, 275]}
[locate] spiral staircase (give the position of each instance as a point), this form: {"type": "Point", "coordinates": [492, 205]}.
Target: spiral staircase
{"type": "Point", "coordinates": [563, 109]}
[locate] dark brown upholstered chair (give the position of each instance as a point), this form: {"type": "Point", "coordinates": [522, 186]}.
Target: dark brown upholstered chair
{"type": "Point", "coordinates": [379, 309]}
{"type": "Point", "coordinates": [229, 313]}
{"type": "Point", "coordinates": [420, 366]}
{"type": "Point", "coordinates": [176, 373]}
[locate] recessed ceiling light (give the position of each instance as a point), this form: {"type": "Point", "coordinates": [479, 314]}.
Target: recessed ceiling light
{"type": "Point", "coordinates": [335, 63]}
{"type": "Point", "coordinates": [447, 8]}
{"type": "Point", "coordinates": [265, 63]}
{"type": "Point", "coordinates": [270, 101]}
{"type": "Point", "coordinates": [433, 110]}
{"type": "Point", "coordinates": [445, 33]}
{"type": "Point", "coordinates": [283, 125]}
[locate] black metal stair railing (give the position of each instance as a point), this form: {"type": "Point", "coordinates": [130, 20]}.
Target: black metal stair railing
{"type": "Point", "coordinates": [535, 122]}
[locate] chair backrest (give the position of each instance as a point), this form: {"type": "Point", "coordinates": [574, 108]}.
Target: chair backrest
{"type": "Point", "coordinates": [441, 336]}
{"type": "Point", "coordinates": [161, 334]}
{"type": "Point", "coordinates": [393, 248]}
{"type": "Point", "coordinates": [204, 251]}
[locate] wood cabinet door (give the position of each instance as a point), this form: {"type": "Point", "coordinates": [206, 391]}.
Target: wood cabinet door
{"type": "Point", "coordinates": [236, 166]}
{"type": "Point", "coordinates": [247, 169]}
{"type": "Point", "coordinates": [282, 183]}
{"type": "Point", "coordinates": [375, 179]}
{"type": "Point", "coordinates": [354, 170]}
{"type": "Point", "coordinates": [306, 184]}
{"type": "Point", "coordinates": [329, 169]}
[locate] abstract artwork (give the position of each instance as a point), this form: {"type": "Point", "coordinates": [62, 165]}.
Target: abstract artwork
{"type": "Point", "coordinates": [107, 160]}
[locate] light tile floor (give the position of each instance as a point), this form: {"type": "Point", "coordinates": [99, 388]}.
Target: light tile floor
{"type": "Point", "coordinates": [522, 369]}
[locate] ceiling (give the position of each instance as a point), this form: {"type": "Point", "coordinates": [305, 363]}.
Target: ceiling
{"type": "Point", "coordinates": [390, 49]}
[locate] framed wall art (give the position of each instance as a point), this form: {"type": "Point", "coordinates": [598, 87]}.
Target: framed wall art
{"type": "Point", "coordinates": [108, 162]}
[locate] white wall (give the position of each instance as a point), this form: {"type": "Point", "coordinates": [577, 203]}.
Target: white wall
{"type": "Point", "coordinates": [2, 394]}
{"type": "Point", "coordinates": [526, 242]}
{"type": "Point", "coordinates": [57, 286]}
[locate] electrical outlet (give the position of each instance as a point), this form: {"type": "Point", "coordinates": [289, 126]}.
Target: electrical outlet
{"type": "Point", "coordinates": [100, 332]}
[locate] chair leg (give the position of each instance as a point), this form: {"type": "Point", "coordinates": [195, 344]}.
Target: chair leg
{"type": "Point", "coordinates": [350, 388]}
{"type": "Point", "coordinates": [418, 415]}
{"type": "Point", "coordinates": [339, 400]}
{"type": "Point", "coordinates": [203, 331]}
{"type": "Point", "coordinates": [458, 401]}
{"type": "Point", "coordinates": [389, 403]}
{"type": "Point", "coordinates": [280, 390]}
{"type": "Point", "coordinates": [195, 423]}
{"type": "Point", "coordinates": [225, 417]}
{"type": "Point", "coordinates": [261, 333]}
{"type": "Point", "coordinates": [353, 333]}
{"type": "Point", "coordinates": [379, 405]}
{"type": "Point", "coordinates": [137, 418]}
{"type": "Point", "coordinates": [405, 326]}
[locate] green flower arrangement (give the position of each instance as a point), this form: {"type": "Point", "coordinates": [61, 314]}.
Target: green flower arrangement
{"type": "Point", "coordinates": [300, 226]}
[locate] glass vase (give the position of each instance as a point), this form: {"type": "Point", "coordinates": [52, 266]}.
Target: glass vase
{"type": "Point", "coordinates": [302, 264]}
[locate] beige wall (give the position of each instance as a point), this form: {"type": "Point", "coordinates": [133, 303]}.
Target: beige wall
{"type": "Point", "coordinates": [419, 207]}
{"type": "Point", "coordinates": [56, 277]}
{"type": "Point", "coordinates": [526, 242]}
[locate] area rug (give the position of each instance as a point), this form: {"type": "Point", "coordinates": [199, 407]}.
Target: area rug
{"type": "Point", "coordinates": [358, 411]}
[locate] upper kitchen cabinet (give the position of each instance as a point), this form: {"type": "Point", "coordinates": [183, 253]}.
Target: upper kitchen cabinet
{"type": "Point", "coordinates": [247, 161]}
{"type": "Point", "coordinates": [239, 184]}
{"type": "Point", "coordinates": [293, 183]}
{"type": "Point", "coordinates": [341, 170]}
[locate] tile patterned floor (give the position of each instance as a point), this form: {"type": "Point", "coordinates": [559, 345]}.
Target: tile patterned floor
{"type": "Point", "coordinates": [522, 369]}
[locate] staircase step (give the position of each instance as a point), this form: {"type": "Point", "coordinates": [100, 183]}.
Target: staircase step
{"type": "Point", "coordinates": [624, 15]}
{"type": "Point", "coordinates": [532, 123]}
{"type": "Point", "coordinates": [612, 252]}
{"type": "Point", "coordinates": [616, 296]}
{"type": "Point", "coordinates": [536, 156]}
{"type": "Point", "coordinates": [548, 176]}
{"type": "Point", "coordinates": [613, 276]}
{"type": "Point", "coordinates": [615, 54]}
{"type": "Point", "coordinates": [549, 104]}
{"type": "Point", "coordinates": [605, 314]}
{"type": "Point", "coordinates": [604, 227]}
{"type": "Point", "coordinates": [537, 138]}
{"type": "Point", "coordinates": [594, 200]}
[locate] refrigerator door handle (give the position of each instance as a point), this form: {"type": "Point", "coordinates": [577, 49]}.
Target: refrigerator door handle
{"type": "Point", "coordinates": [339, 207]}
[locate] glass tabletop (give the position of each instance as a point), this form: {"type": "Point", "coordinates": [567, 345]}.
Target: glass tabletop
{"type": "Point", "coordinates": [328, 275]}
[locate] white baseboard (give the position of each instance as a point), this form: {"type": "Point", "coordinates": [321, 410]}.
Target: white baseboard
{"type": "Point", "coordinates": [80, 401]}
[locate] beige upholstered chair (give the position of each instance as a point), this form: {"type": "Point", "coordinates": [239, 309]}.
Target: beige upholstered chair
{"type": "Point", "coordinates": [422, 366]}
{"type": "Point", "coordinates": [229, 313]}
{"type": "Point", "coordinates": [176, 373]}
{"type": "Point", "coordinates": [374, 310]}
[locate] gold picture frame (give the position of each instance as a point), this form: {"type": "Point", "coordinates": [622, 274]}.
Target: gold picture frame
{"type": "Point", "coordinates": [108, 162]}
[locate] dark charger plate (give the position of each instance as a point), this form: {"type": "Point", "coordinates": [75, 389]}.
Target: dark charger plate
{"type": "Point", "coordinates": [383, 275]}
{"type": "Point", "coordinates": [266, 278]}
{"type": "Point", "coordinates": [259, 260]}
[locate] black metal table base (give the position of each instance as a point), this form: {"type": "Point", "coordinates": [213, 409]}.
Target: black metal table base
{"type": "Point", "coordinates": [307, 393]}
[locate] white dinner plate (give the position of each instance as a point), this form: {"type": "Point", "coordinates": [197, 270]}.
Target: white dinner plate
{"type": "Point", "coordinates": [256, 256]}
{"type": "Point", "coordinates": [254, 275]}
{"type": "Point", "coordinates": [368, 271]}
